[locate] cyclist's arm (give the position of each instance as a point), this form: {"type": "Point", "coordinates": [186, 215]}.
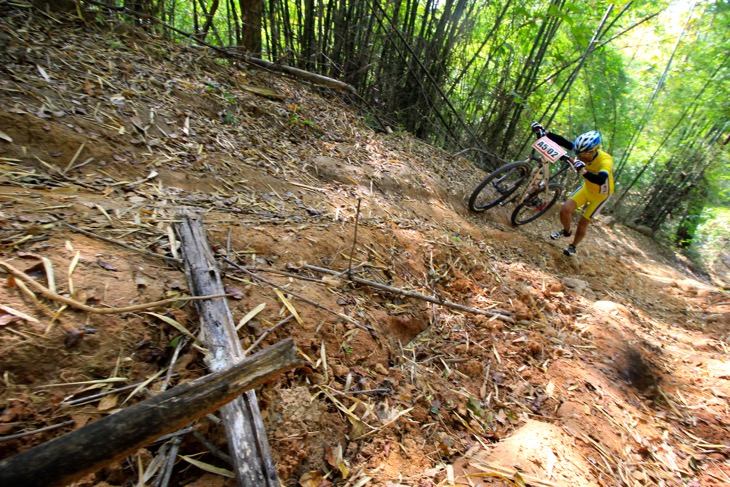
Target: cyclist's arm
{"type": "Point", "coordinates": [559, 139]}
{"type": "Point", "coordinates": [599, 178]}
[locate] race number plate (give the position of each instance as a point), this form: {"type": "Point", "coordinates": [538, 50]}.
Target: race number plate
{"type": "Point", "coordinates": [549, 149]}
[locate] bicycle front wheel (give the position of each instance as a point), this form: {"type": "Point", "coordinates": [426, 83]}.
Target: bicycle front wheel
{"type": "Point", "coordinates": [499, 185]}
{"type": "Point", "coordinates": [536, 204]}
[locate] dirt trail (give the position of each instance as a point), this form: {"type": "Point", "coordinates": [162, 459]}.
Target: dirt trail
{"type": "Point", "coordinates": [608, 369]}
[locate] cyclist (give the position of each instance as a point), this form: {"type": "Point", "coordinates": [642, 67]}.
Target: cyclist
{"type": "Point", "coordinates": [596, 167]}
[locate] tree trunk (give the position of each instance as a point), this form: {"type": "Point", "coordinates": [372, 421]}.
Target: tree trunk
{"type": "Point", "coordinates": [209, 18]}
{"type": "Point", "coordinates": [251, 13]}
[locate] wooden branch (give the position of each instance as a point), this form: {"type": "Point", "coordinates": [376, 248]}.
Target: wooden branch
{"type": "Point", "coordinates": [72, 456]}
{"type": "Point", "coordinates": [302, 298]}
{"type": "Point", "coordinates": [301, 74]}
{"type": "Point", "coordinates": [35, 432]}
{"type": "Point", "coordinates": [247, 441]}
{"type": "Point", "coordinates": [172, 260]}
{"type": "Point", "coordinates": [354, 239]}
{"type": "Point", "coordinates": [412, 294]}
{"type": "Point", "coordinates": [47, 293]}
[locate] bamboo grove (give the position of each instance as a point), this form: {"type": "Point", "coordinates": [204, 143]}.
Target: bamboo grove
{"type": "Point", "coordinates": [471, 75]}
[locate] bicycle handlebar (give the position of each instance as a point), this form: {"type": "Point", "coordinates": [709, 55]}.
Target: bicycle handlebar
{"type": "Point", "coordinates": [567, 158]}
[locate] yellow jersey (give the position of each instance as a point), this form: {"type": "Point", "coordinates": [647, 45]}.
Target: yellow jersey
{"type": "Point", "coordinates": [603, 162]}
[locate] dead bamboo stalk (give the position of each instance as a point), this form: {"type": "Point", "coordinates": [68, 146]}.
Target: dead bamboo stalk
{"type": "Point", "coordinates": [413, 294]}
{"type": "Point", "coordinates": [301, 74]}
{"type": "Point", "coordinates": [72, 456]}
{"type": "Point", "coordinates": [172, 260]}
{"type": "Point", "coordinates": [247, 441]}
{"type": "Point", "coordinates": [300, 297]}
{"type": "Point", "coordinates": [47, 293]}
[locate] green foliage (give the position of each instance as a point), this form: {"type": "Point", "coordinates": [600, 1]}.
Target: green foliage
{"type": "Point", "coordinates": [230, 108]}
{"type": "Point", "coordinates": [711, 237]}
{"type": "Point", "coordinates": [115, 44]}
{"type": "Point", "coordinates": [296, 118]}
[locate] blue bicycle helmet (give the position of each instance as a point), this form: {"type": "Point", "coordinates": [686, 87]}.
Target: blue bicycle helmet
{"type": "Point", "coordinates": [587, 142]}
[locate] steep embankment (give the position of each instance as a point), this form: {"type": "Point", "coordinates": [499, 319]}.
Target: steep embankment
{"type": "Point", "coordinates": [607, 369]}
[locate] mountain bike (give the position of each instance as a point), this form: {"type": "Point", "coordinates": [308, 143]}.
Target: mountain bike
{"type": "Point", "coordinates": [526, 183]}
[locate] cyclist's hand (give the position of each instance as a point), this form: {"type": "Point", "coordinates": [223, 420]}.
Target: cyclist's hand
{"type": "Point", "coordinates": [578, 165]}
{"type": "Point", "coordinates": [538, 129]}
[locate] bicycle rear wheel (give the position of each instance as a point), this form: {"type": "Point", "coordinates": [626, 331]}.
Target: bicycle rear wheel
{"type": "Point", "coordinates": [536, 204]}
{"type": "Point", "coordinates": [499, 185]}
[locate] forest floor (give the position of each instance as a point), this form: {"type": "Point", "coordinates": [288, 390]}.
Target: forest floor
{"type": "Point", "coordinates": [607, 369]}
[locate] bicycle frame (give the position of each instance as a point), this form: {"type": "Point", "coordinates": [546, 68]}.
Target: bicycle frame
{"type": "Point", "coordinates": [540, 176]}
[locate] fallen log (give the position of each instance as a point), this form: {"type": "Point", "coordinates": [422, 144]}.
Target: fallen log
{"type": "Point", "coordinates": [305, 75]}
{"type": "Point", "coordinates": [72, 456]}
{"type": "Point", "coordinates": [248, 444]}
{"type": "Point", "coordinates": [503, 315]}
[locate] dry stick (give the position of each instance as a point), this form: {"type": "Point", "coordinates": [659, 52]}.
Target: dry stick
{"type": "Point", "coordinates": [63, 176]}
{"type": "Point", "coordinates": [214, 450]}
{"type": "Point", "coordinates": [47, 293]}
{"type": "Point", "coordinates": [39, 430]}
{"type": "Point", "coordinates": [121, 244]}
{"type": "Point", "coordinates": [300, 297]}
{"type": "Point", "coordinates": [290, 274]}
{"type": "Point", "coordinates": [267, 333]}
{"type": "Point", "coordinates": [164, 479]}
{"type": "Point", "coordinates": [54, 315]}
{"type": "Point", "coordinates": [248, 443]}
{"type": "Point", "coordinates": [369, 391]}
{"type": "Point", "coordinates": [73, 159]}
{"type": "Point", "coordinates": [94, 397]}
{"type": "Point", "coordinates": [180, 432]}
{"type": "Point", "coordinates": [155, 467]}
{"type": "Point", "coordinates": [354, 240]}
{"type": "Point", "coordinates": [183, 341]}
{"type": "Point", "coordinates": [412, 294]}
{"type": "Point", "coordinates": [228, 243]}
{"type": "Point", "coordinates": [671, 404]}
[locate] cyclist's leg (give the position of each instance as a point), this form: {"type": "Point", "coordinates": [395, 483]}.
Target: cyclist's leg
{"type": "Point", "coordinates": [596, 202]}
{"type": "Point", "coordinates": [580, 230]}
{"type": "Point", "coordinates": [566, 214]}
{"type": "Point", "coordinates": [576, 199]}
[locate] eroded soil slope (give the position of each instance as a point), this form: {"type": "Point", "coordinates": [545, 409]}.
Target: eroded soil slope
{"type": "Point", "coordinates": [607, 369]}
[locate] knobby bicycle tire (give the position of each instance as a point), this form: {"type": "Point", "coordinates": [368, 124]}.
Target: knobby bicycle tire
{"type": "Point", "coordinates": [536, 204]}
{"type": "Point", "coordinates": [499, 185]}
